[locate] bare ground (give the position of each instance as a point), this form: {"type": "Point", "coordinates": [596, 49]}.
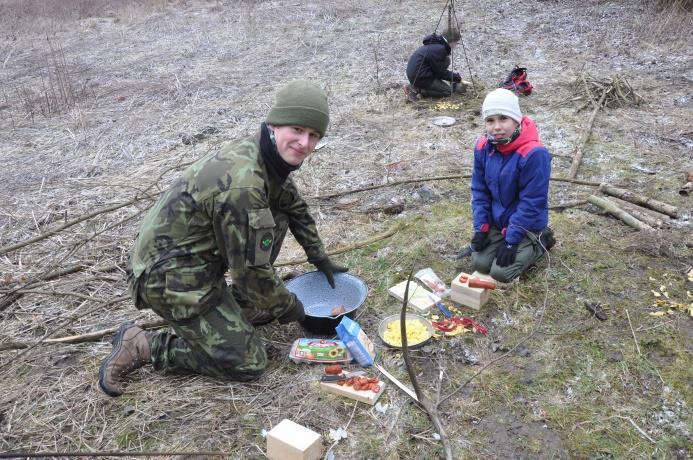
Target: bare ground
{"type": "Point", "coordinates": [103, 103]}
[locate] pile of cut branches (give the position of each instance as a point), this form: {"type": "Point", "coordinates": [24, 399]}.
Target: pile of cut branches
{"type": "Point", "coordinates": [614, 91]}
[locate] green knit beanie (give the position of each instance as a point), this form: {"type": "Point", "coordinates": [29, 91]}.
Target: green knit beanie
{"type": "Point", "coordinates": [300, 103]}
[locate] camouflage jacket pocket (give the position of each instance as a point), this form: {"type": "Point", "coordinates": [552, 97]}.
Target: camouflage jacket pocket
{"type": "Point", "coordinates": [260, 237]}
{"type": "Point", "coordinates": [134, 291]}
{"type": "Point", "coordinates": [190, 291]}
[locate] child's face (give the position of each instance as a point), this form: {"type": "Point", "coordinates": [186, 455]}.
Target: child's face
{"type": "Point", "coordinates": [500, 126]}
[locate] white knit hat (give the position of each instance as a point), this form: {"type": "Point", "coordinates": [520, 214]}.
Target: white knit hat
{"type": "Point", "coordinates": [501, 102]}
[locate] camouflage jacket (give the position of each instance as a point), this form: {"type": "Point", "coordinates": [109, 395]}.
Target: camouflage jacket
{"type": "Point", "coordinates": [219, 215]}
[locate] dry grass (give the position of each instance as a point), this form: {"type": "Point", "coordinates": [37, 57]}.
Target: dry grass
{"type": "Point", "coordinates": [154, 73]}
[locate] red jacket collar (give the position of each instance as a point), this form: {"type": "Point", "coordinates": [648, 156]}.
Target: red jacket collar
{"type": "Point", "coordinates": [525, 142]}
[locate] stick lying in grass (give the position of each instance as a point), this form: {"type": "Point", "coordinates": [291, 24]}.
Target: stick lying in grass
{"type": "Point", "coordinates": [81, 338]}
{"type": "Point", "coordinates": [615, 211]}
{"type": "Point", "coordinates": [423, 400]}
{"type": "Point", "coordinates": [640, 200]}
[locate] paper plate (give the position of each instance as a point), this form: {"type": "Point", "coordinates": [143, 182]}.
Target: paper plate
{"type": "Point", "coordinates": [443, 121]}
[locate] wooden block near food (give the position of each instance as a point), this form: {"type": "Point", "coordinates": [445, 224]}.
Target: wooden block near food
{"type": "Point", "coordinates": [366, 396]}
{"type": "Point", "coordinates": [472, 297]}
{"type": "Point", "coordinates": [291, 441]}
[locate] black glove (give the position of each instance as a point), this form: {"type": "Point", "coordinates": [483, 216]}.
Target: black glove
{"type": "Point", "coordinates": [326, 266]}
{"type": "Point", "coordinates": [456, 77]}
{"type": "Point", "coordinates": [506, 254]}
{"type": "Point", "coordinates": [479, 241]}
{"type": "Point", "coordinates": [294, 314]}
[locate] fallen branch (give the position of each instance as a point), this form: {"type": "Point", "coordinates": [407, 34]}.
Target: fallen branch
{"type": "Point", "coordinates": [14, 295]}
{"type": "Point", "coordinates": [577, 156]}
{"type": "Point", "coordinates": [55, 231]}
{"type": "Point", "coordinates": [654, 219]}
{"type": "Point", "coordinates": [615, 211]}
{"type": "Point", "coordinates": [48, 334]}
{"type": "Point", "coordinates": [435, 178]}
{"type": "Point", "coordinates": [568, 204]}
{"type": "Point", "coordinates": [576, 181]}
{"type": "Point", "coordinates": [81, 338]}
{"type": "Point", "coordinates": [389, 184]}
{"type": "Point", "coordinates": [423, 400]}
{"type": "Point", "coordinates": [135, 199]}
{"type": "Point", "coordinates": [640, 200]}
{"type": "Point", "coordinates": [116, 453]}
{"type": "Point", "coordinates": [353, 246]}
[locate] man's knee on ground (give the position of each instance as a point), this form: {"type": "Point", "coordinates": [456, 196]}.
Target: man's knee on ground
{"type": "Point", "coordinates": [480, 264]}
{"type": "Point", "coordinates": [502, 274]}
{"type": "Point", "coordinates": [244, 372]}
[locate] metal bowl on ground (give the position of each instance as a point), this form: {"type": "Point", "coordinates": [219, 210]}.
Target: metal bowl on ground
{"type": "Point", "coordinates": [443, 121]}
{"type": "Point", "coordinates": [382, 328]}
{"type": "Point", "coordinates": [319, 299]}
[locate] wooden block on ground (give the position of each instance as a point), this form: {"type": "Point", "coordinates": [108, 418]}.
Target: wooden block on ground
{"type": "Point", "coordinates": [291, 441]}
{"type": "Point", "coordinates": [469, 297]}
{"type": "Point", "coordinates": [367, 396]}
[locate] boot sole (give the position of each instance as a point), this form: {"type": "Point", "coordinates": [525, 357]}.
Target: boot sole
{"type": "Point", "coordinates": [117, 345]}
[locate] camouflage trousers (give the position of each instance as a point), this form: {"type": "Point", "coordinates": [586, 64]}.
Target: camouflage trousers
{"type": "Point", "coordinates": [529, 252]}
{"type": "Point", "coordinates": [210, 334]}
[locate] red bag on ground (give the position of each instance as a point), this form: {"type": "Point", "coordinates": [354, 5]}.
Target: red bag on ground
{"type": "Point", "coordinates": [517, 82]}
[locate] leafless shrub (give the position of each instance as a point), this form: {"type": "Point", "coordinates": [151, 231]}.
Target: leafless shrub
{"type": "Point", "coordinates": [21, 16]}
{"type": "Point", "coordinates": [668, 21]}
{"type": "Point", "coordinates": [57, 91]}
{"type": "Point", "coordinates": [682, 5]}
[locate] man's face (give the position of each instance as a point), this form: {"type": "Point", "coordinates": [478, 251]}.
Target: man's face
{"type": "Point", "coordinates": [500, 126]}
{"type": "Point", "coordinates": [295, 143]}
{"type": "Point", "coordinates": [453, 45]}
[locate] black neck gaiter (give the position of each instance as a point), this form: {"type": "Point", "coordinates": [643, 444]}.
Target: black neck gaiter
{"type": "Point", "coordinates": [276, 165]}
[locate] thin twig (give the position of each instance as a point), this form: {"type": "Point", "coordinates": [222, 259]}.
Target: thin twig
{"type": "Point", "coordinates": [435, 178]}
{"type": "Point", "coordinates": [637, 347]}
{"type": "Point", "coordinates": [640, 430]}
{"type": "Point", "coordinates": [55, 231]}
{"type": "Point", "coordinates": [48, 334]}
{"type": "Point", "coordinates": [431, 409]}
{"type": "Point", "coordinates": [577, 157]}
{"type": "Point", "coordinates": [390, 184]}
{"type": "Point", "coordinates": [19, 454]}
{"type": "Point", "coordinates": [82, 338]}
{"type": "Point", "coordinates": [357, 245]}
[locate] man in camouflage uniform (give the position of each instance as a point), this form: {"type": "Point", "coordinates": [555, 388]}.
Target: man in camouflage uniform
{"type": "Point", "coordinates": [230, 211]}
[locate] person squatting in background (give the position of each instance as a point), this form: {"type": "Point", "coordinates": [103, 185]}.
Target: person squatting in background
{"type": "Point", "coordinates": [427, 69]}
{"type": "Point", "coordinates": [510, 188]}
{"type": "Point", "coordinates": [228, 213]}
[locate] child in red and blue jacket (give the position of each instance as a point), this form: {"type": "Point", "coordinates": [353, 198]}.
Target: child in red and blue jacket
{"type": "Point", "coordinates": [510, 188]}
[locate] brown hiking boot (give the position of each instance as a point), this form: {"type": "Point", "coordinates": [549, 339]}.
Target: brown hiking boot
{"type": "Point", "coordinates": [131, 350]}
{"type": "Point", "coordinates": [257, 317]}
